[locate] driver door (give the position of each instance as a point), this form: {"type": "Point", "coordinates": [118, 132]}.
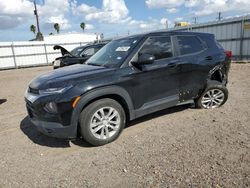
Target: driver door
{"type": "Point", "coordinates": [156, 85]}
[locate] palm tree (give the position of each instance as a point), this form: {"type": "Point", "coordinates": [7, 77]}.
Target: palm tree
{"type": "Point", "coordinates": [57, 27]}
{"type": "Point", "coordinates": [33, 29]}
{"type": "Point", "coordinates": [82, 25]}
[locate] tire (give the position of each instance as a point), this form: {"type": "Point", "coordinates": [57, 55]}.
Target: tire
{"type": "Point", "coordinates": [214, 96]}
{"type": "Point", "coordinates": [102, 121]}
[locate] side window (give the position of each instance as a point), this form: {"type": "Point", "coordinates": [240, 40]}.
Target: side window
{"type": "Point", "coordinates": [189, 44]}
{"type": "Point", "coordinates": [89, 52]}
{"type": "Point", "coordinates": [160, 47]}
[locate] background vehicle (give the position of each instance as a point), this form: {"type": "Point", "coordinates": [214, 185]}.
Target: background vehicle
{"type": "Point", "coordinates": [126, 79]}
{"type": "Point", "coordinates": [77, 56]}
{"type": "Point", "coordinates": [181, 24]}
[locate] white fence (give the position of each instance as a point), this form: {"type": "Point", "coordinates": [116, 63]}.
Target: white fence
{"type": "Point", "coordinates": [26, 54]}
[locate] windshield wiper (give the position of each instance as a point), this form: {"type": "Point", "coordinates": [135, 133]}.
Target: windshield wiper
{"type": "Point", "coordinates": [94, 64]}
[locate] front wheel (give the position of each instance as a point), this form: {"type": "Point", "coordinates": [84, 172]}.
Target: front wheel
{"type": "Point", "coordinates": [214, 96]}
{"type": "Point", "coordinates": [102, 121]}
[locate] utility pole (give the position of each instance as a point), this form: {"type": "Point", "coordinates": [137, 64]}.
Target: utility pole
{"type": "Point", "coordinates": [166, 24]}
{"type": "Point", "coordinates": [195, 20]}
{"type": "Point", "coordinates": [219, 16]}
{"type": "Point", "coordinates": [39, 35]}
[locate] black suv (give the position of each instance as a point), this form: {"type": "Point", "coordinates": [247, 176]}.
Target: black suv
{"type": "Point", "coordinates": [129, 78]}
{"type": "Point", "coordinates": [77, 56]}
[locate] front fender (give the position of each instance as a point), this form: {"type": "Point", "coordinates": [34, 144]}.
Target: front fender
{"type": "Point", "coordinates": [99, 92]}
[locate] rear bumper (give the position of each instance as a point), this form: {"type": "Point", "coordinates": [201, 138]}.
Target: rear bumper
{"type": "Point", "coordinates": [55, 130]}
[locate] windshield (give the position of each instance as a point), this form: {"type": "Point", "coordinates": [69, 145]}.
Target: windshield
{"type": "Point", "coordinates": [114, 53]}
{"type": "Point", "coordinates": [77, 51]}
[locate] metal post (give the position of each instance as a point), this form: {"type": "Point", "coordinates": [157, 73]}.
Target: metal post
{"type": "Point", "coordinates": [219, 17]}
{"type": "Point", "coordinates": [46, 54]}
{"type": "Point", "coordinates": [242, 37]}
{"type": "Point", "coordinates": [14, 56]}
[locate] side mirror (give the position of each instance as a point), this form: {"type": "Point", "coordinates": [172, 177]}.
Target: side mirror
{"type": "Point", "coordinates": [145, 59]}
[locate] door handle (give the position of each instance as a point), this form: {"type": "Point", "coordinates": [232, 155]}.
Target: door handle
{"type": "Point", "coordinates": [209, 58]}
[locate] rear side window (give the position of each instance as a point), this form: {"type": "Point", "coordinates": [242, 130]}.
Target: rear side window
{"type": "Point", "coordinates": [160, 47]}
{"type": "Point", "coordinates": [189, 44]}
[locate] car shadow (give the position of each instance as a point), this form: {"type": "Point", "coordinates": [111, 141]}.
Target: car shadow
{"type": "Point", "coordinates": [3, 101]}
{"type": "Point", "coordinates": [158, 114]}
{"type": "Point", "coordinates": [35, 136]}
{"type": "Point", "coordinates": [38, 138]}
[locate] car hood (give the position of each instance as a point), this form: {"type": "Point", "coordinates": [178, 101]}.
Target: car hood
{"type": "Point", "coordinates": [63, 50]}
{"type": "Point", "coordinates": [68, 76]}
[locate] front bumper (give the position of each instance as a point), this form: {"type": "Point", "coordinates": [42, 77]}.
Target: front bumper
{"type": "Point", "coordinates": [55, 125]}
{"type": "Point", "coordinates": [54, 129]}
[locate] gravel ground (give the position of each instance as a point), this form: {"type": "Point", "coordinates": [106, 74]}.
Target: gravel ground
{"type": "Point", "coordinates": [177, 147]}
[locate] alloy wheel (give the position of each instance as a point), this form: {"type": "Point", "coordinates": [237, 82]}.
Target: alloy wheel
{"type": "Point", "coordinates": [105, 123]}
{"type": "Point", "coordinates": [213, 98]}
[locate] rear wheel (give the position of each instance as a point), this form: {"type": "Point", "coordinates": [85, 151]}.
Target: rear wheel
{"type": "Point", "coordinates": [102, 121]}
{"type": "Point", "coordinates": [214, 96]}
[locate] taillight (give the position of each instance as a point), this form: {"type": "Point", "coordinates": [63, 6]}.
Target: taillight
{"type": "Point", "coordinates": [228, 54]}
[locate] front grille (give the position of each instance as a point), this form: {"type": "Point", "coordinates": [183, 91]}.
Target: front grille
{"type": "Point", "coordinates": [34, 91]}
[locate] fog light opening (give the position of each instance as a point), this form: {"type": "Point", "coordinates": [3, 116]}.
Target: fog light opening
{"type": "Point", "coordinates": [51, 107]}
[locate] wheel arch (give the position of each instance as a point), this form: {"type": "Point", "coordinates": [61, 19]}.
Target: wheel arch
{"type": "Point", "coordinates": [214, 75]}
{"type": "Point", "coordinates": [217, 74]}
{"type": "Point", "coordinates": [114, 92]}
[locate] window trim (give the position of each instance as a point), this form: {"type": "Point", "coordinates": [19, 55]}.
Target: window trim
{"type": "Point", "coordinates": [177, 47]}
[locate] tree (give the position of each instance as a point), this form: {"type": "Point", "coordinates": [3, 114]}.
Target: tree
{"type": "Point", "coordinates": [33, 29]}
{"type": "Point", "coordinates": [82, 25]}
{"type": "Point", "coordinates": [57, 27]}
{"type": "Point", "coordinates": [50, 33]}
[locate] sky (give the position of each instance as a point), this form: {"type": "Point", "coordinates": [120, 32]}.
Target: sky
{"type": "Point", "coordinates": [110, 17]}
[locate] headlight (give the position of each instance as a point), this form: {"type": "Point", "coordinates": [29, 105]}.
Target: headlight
{"type": "Point", "coordinates": [57, 63]}
{"type": "Point", "coordinates": [54, 90]}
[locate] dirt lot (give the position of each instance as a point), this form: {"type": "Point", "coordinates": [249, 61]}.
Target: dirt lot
{"type": "Point", "coordinates": [178, 147]}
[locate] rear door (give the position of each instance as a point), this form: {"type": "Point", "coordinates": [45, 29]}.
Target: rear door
{"type": "Point", "coordinates": [194, 63]}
